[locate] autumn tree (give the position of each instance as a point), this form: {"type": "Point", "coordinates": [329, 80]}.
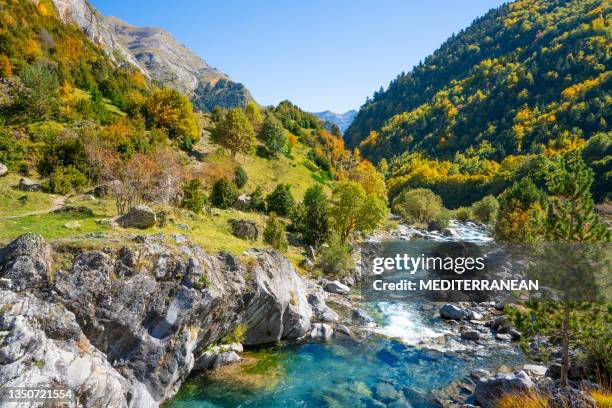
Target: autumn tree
{"type": "Point", "coordinates": [352, 209]}
{"type": "Point", "coordinates": [235, 133]}
{"type": "Point", "coordinates": [371, 179]}
{"type": "Point", "coordinates": [253, 113]}
{"type": "Point", "coordinates": [169, 109]}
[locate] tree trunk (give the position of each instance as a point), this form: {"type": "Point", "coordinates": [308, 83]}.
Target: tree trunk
{"type": "Point", "coordinates": [565, 347]}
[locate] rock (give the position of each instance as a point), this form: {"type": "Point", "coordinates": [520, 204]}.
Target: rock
{"type": "Point", "coordinates": [74, 209]}
{"type": "Point", "coordinates": [473, 315]}
{"type": "Point", "coordinates": [499, 307]}
{"type": "Point", "coordinates": [360, 317]}
{"type": "Point", "coordinates": [310, 252]}
{"type": "Point", "coordinates": [343, 329]}
{"type": "Point", "coordinates": [502, 337]}
{"type": "Point", "coordinates": [478, 374]}
{"type": "Point", "coordinates": [3, 170]}
{"type": "Point", "coordinates": [515, 335]}
{"type": "Point", "coordinates": [452, 312]}
{"type": "Point", "coordinates": [101, 191]}
{"type": "Point", "coordinates": [489, 390]}
{"type": "Point", "coordinates": [399, 404]}
{"type": "Point", "coordinates": [39, 351]}
{"type": "Point", "coordinates": [26, 262]}
{"type": "Point", "coordinates": [217, 356]}
{"type": "Point", "coordinates": [183, 227]}
{"type": "Point", "coordinates": [278, 307]}
{"type": "Point", "coordinates": [321, 311]}
{"type": "Point", "coordinates": [337, 287]}
{"type": "Point", "coordinates": [571, 397]}
{"type": "Point", "coordinates": [321, 332]}
{"type": "Point", "coordinates": [472, 335]}
{"type": "Point", "coordinates": [243, 202]}
{"type": "Point", "coordinates": [451, 233]}
{"type": "Point", "coordinates": [244, 229]}
{"type": "Point", "coordinates": [306, 264]}
{"type": "Point", "coordinates": [141, 217]}
{"type": "Point", "coordinates": [27, 184]}
{"type": "Point", "coordinates": [535, 370]}
{"type": "Point", "coordinates": [501, 324]}
{"type": "Point", "coordinates": [434, 225]}
{"type": "Point", "coordinates": [387, 393]}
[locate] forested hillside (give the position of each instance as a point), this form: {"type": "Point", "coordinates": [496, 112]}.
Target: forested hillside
{"type": "Point", "coordinates": [531, 77]}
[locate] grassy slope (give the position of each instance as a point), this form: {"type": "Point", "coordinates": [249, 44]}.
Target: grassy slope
{"type": "Point", "coordinates": [210, 229]}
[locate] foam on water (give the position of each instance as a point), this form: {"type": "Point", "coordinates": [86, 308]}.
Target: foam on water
{"type": "Point", "coordinates": [403, 322]}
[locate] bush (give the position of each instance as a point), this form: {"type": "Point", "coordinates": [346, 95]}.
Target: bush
{"type": "Point", "coordinates": [240, 177]}
{"type": "Point", "coordinates": [336, 258]}
{"type": "Point", "coordinates": [417, 205]}
{"type": "Point", "coordinates": [443, 218]}
{"type": "Point", "coordinates": [273, 135]}
{"type": "Point", "coordinates": [280, 200]}
{"type": "Point", "coordinates": [486, 210]}
{"type": "Point", "coordinates": [224, 194]}
{"type": "Point", "coordinates": [194, 196]}
{"type": "Point", "coordinates": [257, 202]}
{"type": "Point", "coordinates": [64, 180]}
{"type": "Point", "coordinates": [311, 217]}
{"type": "Point", "coordinates": [274, 233]}
{"type": "Point", "coordinates": [11, 153]}
{"type": "Point", "coordinates": [463, 214]}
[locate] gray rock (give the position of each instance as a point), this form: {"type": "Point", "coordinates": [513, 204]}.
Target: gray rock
{"type": "Point", "coordinates": [141, 217]}
{"type": "Point", "coordinates": [452, 312]}
{"type": "Point", "coordinates": [3, 170]}
{"type": "Point", "coordinates": [243, 202]}
{"type": "Point", "coordinates": [499, 307]}
{"type": "Point", "coordinates": [473, 315]}
{"type": "Point", "coordinates": [472, 335]}
{"type": "Point", "coordinates": [26, 262]}
{"type": "Point", "coordinates": [360, 317]}
{"type": "Point", "coordinates": [344, 330]}
{"type": "Point", "coordinates": [502, 337]}
{"type": "Point", "coordinates": [515, 335]}
{"type": "Point", "coordinates": [337, 287]}
{"type": "Point", "coordinates": [215, 357]}
{"type": "Point", "coordinates": [489, 390]}
{"type": "Point", "coordinates": [321, 332]}
{"type": "Point", "coordinates": [535, 370]}
{"type": "Point", "coordinates": [27, 184]}
{"type": "Point", "coordinates": [501, 324]}
{"type": "Point", "coordinates": [307, 264]}
{"type": "Point", "coordinates": [244, 229]}
{"type": "Point", "coordinates": [321, 311]}
{"type": "Point", "coordinates": [479, 373]}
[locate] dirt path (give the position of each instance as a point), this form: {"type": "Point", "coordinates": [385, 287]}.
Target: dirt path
{"type": "Point", "coordinates": [58, 202]}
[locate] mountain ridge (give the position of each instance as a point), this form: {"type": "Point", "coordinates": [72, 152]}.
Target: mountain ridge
{"type": "Point", "coordinates": [343, 120]}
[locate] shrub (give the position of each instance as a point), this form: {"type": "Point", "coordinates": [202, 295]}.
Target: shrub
{"type": "Point", "coordinates": [443, 218]}
{"type": "Point", "coordinates": [257, 202]}
{"type": "Point", "coordinates": [240, 177]}
{"type": "Point", "coordinates": [273, 135]}
{"type": "Point", "coordinates": [463, 214]}
{"type": "Point", "coordinates": [417, 205]}
{"type": "Point", "coordinates": [486, 210]}
{"type": "Point", "coordinates": [274, 233]}
{"type": "Point", "coordinates": [335, 258]}
{"type": "Point", "coordinates": [11, 153]}
{"type": "Point", "coordinates": [237, 335]}
{"type": "Point", "coordinates": [64, 180]}
{"type": "Point", "coordinates": [194, 196]}
{"type": "Point", "coordinates": [311, 217]}
{"type": "Point", "coordinates": [280, 200]}
{"type": "Point", "coordinates": [224, 194]}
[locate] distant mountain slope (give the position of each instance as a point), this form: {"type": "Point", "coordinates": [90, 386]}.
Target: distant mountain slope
{"type": "Point", "coordinates": [528, 76]}
{"type": "Point", "coordinates": [343, 120]}
{"type": "Point", "coordinates": [171, 63]}
{"type": "Point", "coordinates": [157, 53]}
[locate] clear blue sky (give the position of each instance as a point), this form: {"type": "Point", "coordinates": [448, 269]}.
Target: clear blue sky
{"type": "Point", "coordinates": [318, 54]}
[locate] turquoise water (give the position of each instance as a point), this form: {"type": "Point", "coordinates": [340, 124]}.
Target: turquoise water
{"type": "Point", "coordinates": [400, 361]}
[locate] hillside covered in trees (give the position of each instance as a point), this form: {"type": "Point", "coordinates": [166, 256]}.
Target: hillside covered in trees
{"type": "Point", "coordinates": [529, 78]}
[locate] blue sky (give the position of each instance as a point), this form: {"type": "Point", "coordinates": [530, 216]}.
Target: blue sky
{"type": "Point", "coordinates": [318, 54]}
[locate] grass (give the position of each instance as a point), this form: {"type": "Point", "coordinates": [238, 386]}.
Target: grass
{"type": "Point", "coordinates": [523, 400]}
{"type": "Point", "coordinates": [603, 399]}
{"type": "Point", "coordinates": [50, 226]}
{"type": "Point", "coordinates": [10, 202]}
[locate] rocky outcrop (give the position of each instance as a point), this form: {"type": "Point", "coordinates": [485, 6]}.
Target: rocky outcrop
{"type": "Point", "coordinates": [141, 313]}
{"type": "Point", "coordinates": [3, 170]}
{"type": "Point", "coordinates": [141, 217]}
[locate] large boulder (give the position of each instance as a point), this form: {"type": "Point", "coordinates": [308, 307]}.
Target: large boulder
{"type": "Point", "coordinates": [320, 310]}
{"type": "Point", "coordinates": [26, 262]}
{"type": "Point", "coordinates": [452, 312]}
{"type": "Point", "coordinates": [244, 229]}
{"type": "Point", "coordinates": [27, 184]}
{"type": "Point", "coordinates": [141, 217]}
{"type": "Point", "coordinates": [321, 332]}
{"type": "Point", "coordinates": [278, 307]}
{"type": "Point", "coordinates": [501, 324]}
{"type": "Point", "coordinates": [489, 390]}
{"type": "Point", "coordinates": [3, 170]}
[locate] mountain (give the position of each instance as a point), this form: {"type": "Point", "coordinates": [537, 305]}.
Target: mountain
{"type": "Point", "coordinates": [343, 120]}
{"type": "Point", "coordinates": [528, 77]}
{"type": "Point", "coordinates": [157, 54]}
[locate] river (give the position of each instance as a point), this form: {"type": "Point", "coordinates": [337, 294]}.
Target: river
{"type": "Point", "coordinates": [400, 365]}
